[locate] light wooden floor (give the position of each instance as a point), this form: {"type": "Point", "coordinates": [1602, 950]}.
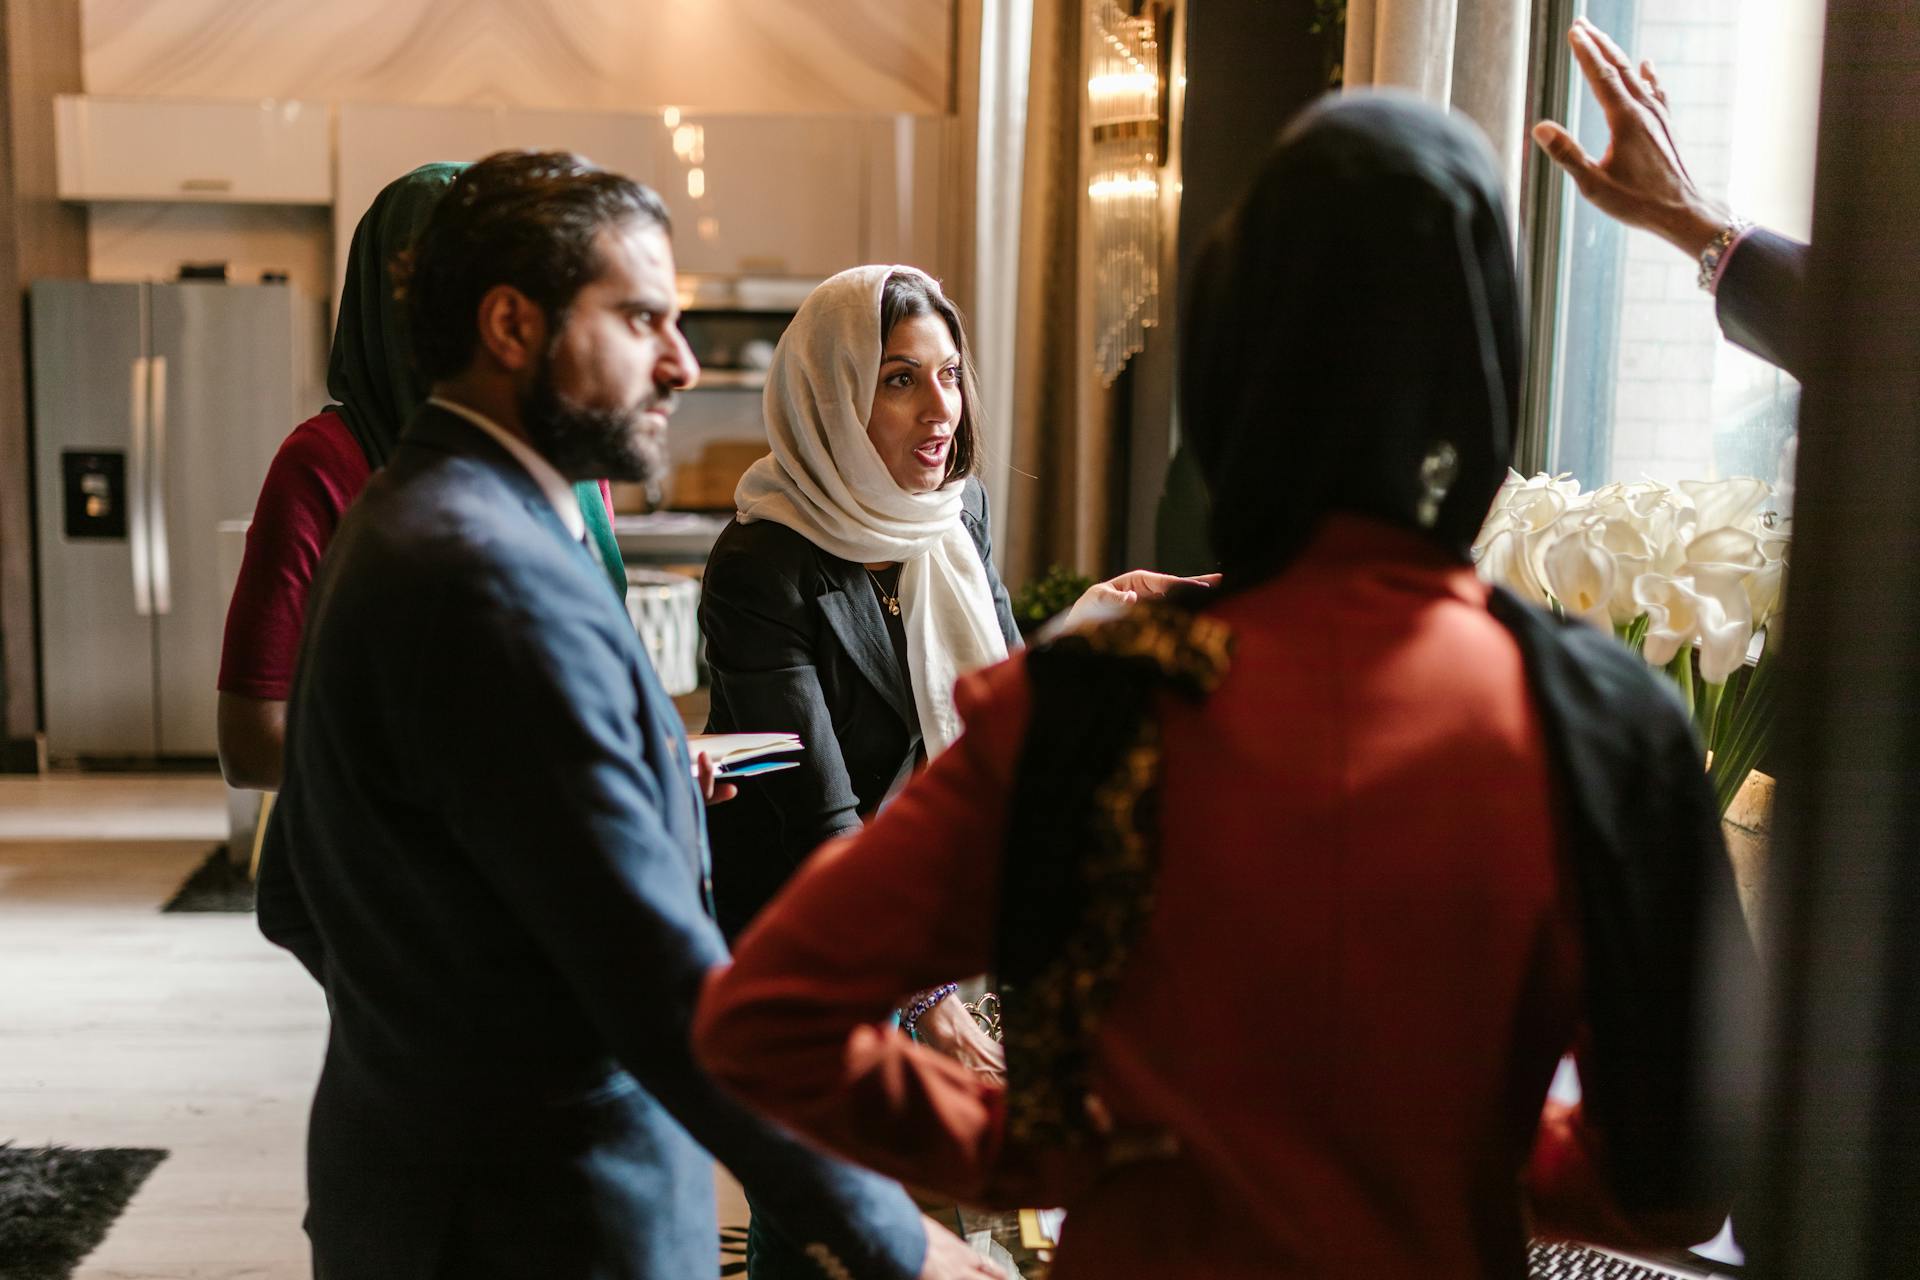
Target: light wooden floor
{"type": "Point", "coordinates": [120, 1026]}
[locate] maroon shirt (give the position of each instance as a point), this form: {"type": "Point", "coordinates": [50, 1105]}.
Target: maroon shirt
{"type": "Point", "coordinates": [317, 472]}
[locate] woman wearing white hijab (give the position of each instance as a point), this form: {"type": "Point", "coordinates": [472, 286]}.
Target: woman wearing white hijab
{"type": "Point", "coordinates": [856, 582]}
{"type": "Point", "coordinates": [854, 586]}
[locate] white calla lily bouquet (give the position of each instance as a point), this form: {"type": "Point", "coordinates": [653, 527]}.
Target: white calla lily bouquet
{"type": "Point", "coordinates": [1690, 578]}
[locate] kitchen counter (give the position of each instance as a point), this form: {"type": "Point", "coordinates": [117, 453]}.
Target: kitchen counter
{"type": "Point", "coordinates": [667, 537]}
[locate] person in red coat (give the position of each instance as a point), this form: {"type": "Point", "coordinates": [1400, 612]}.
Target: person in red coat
{"type": "Point", "coordinates": [1297, 893]}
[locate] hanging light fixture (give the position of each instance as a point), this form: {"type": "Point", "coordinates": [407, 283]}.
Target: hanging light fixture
{"type": "Point", "coordinates": [1127, 118]}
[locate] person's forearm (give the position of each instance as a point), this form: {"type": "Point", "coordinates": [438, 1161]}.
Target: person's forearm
{"type": "Point", "coordinates": [949, 1026]}
{"type": "Point", "coordinates": [1761, 298]}
{"type": "Point", "coordinates": [252, 737]}
{"type": "Point", "coordinates": [1691, 228]}
{"type": "Point", "coordinates": [281, 910]}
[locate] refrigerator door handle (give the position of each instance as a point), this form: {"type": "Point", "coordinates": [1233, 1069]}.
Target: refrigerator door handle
{"type": "Point", "coordinates": [137, 541]}
{"type": "Point", "coordinates": [157, 506]}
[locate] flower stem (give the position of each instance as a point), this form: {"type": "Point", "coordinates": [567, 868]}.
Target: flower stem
{"type": "Point", "coordinates": [1708, 712]}
{"type": "Point", "coordinates": [1681, 671]}
{"type": "Point", "coordinates": [1744, 736]}
{"type": "Point", "coordinates": [1633, 634]}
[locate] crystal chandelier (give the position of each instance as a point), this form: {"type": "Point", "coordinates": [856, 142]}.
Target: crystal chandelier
{"type": "Point", "coordinates": [1126, 114]}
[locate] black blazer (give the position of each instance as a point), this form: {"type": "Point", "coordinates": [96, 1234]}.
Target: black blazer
{"type": "Point", "coordinates": [796, 642]}
{"type": "Point", "coordinates": [1761, 299]}
{"type": "Point", "coordinates": [489, 851]}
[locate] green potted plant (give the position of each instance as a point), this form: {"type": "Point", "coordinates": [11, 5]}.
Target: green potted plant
{"type": "Point", "coordinates": [1036, 603]}
{"type": "Point", "coordinates": [1330, 23]}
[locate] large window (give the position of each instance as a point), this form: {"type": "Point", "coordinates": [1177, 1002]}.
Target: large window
{"type": "Point", "coordinates": [1643, 384]}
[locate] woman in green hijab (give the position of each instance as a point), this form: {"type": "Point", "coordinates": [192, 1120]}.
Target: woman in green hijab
{"type": "Point", "coordinates": [319, 470]}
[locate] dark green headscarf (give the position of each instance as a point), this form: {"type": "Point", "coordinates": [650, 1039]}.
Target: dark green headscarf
{"type": "Point", "coordinates": [371, 372]}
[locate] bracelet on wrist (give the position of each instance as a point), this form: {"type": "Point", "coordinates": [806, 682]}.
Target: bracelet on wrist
{"type": "Point", "coordinates": [923, 1004]}
{"type": "Point", "coordinates": [1715, 253]}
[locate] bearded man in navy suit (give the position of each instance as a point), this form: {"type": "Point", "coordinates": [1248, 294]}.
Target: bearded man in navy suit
{"type": "Point", "coordinates": [491, 848]}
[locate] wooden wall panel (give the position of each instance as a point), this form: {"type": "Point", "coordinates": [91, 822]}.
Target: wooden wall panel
{"type": "Point", "coordinates": [734, 55]}
{"type": "Point", "coordinates": [39, 237]}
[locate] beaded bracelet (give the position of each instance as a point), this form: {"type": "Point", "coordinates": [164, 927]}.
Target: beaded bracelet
{"type": "Point", "coordinates": [923, 1003]}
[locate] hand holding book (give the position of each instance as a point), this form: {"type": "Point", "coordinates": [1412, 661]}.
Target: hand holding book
{"type": "Point", "coordinates": [742, 755]}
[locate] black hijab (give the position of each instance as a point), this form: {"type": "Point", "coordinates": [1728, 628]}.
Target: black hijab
{"type": "Point", "coordinates": [1353, 319]}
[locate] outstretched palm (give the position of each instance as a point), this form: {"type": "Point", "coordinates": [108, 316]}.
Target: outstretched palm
{"type": "Point", "coordinates": [1640, 179]}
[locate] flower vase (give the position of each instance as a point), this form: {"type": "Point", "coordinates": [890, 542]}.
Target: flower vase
{"type": "Point", "coordinates": [1748, 825]}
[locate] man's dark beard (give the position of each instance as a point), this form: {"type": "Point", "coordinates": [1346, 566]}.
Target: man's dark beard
{"type": "Point", "coordinates": [586, 443]}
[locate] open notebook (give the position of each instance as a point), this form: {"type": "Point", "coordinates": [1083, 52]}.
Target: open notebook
{"type": "Point", "coordinates": [741, 755]}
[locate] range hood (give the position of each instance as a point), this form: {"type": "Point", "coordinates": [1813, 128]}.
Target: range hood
{"type": "Point", "coordinates": [781, 294]}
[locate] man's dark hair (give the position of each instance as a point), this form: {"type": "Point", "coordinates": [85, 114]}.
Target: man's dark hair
{"type": "Point", "coordinates": [906, 296]}
{"type": "Point", "coordinates": [521, 218]}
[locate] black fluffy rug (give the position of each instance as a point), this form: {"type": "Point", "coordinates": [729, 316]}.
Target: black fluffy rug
{"type": "Point", "coordinates": [215, 885]}
{"type": "Point", "coordinates": [56, 1204]}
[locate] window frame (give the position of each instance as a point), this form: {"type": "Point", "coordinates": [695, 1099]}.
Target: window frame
{"type": "Point", "coordinates": [1554, 223]}
{"type": "Point", "coordinates": [1542, 239]}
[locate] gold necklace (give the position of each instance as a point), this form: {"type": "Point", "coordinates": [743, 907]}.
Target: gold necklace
{"type": "Point", "coordinates": [887, 598]}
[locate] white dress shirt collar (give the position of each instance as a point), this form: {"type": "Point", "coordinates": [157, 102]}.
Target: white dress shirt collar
{"type": "Point", "coordinates": [566, 503]}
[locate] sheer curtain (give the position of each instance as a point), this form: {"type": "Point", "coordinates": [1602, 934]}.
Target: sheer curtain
{"type": "Point", "coordinates": [997, 110]}
{"type": "Point", "coordinates": [1467, 54]}
{"type": "Point", "coordinates": [1062, 431]}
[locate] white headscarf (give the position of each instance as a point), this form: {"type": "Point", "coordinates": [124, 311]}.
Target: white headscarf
{"type": "Point", "coordinates": [826, 482]}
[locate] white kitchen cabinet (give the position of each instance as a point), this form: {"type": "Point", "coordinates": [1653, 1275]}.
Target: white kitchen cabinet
{"type": "Point", "coordinates": [767, 195]}
{"type": "Point", "coordinates": [775, 198]}
{"type": "Point", "coordinates": [910, 217]}
{"type": "Point", "coordinates": [623, 141]}
{"type": "Point", "coordinates": [378, 143]}
{"type": "Point", "coordinates": [257, 152]}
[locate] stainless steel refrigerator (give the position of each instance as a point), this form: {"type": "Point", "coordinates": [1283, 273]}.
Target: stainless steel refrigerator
{"type": "Point", "coordinates": [157, 408]}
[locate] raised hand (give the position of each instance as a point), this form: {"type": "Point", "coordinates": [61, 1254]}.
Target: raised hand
{"type": "Point", "coordinates": [1641, 179]}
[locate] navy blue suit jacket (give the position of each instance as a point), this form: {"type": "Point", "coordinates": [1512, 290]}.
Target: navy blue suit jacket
{"type": "Point", "coordinates": [1761, 299]}
{"type": "Point", "coordinates": [491, 854]}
